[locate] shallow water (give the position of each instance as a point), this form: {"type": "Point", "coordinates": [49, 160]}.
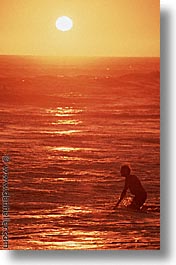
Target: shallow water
{"type": "Point", "coordinates": [67, 139]}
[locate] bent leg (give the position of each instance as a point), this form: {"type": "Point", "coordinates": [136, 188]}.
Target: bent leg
{"type": "Point", "coordinates": [138, 201]}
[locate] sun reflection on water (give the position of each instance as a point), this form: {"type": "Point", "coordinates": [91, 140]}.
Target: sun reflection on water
{"type": "Point", "coordinates": [64, 111]}
{"type": "Point", "coordinates": [65, 149]}
{"type": "Point", "coordinates": [65, 122]}
{"type": "Point", "coordinates": [65, 132]}
{"type": "Point", "coordinates": [64, 114]}
{"type": "Point", "coordinates": [71, 148]}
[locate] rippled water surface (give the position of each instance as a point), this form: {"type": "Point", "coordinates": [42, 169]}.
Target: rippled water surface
{"type": "Point", "coordinates": [67, 131]}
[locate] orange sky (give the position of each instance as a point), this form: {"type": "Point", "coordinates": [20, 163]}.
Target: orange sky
{"type": "Point", "coordinates": [101, 27]}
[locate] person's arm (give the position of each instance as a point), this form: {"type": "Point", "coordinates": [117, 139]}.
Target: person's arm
{"type": "Point", "coordinates": [122, 195]}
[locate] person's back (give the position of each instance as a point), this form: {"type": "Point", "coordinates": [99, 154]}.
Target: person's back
{"type": "Point", "coordinates": [134, 185]}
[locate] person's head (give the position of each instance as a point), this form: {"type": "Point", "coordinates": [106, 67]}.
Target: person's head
{"type": "Point", "coordinates": [125, 170]}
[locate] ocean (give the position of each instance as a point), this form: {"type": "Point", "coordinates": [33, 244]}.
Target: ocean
{"type": "Point", "coordinates": [68, 124]}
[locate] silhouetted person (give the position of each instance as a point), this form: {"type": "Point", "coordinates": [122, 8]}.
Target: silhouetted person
{"type": "Point", "coordinates": [134, 185]}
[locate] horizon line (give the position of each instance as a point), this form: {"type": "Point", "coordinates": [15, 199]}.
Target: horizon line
{"type": "Point", "coordinates": [78, 56]}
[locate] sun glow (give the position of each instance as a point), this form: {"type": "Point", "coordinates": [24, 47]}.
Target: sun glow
{"type": "Point", "coordinates": [64, 23]}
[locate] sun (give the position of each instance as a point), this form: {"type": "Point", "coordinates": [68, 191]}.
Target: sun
{"type": "Point", "coordinates": [64, 23]}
